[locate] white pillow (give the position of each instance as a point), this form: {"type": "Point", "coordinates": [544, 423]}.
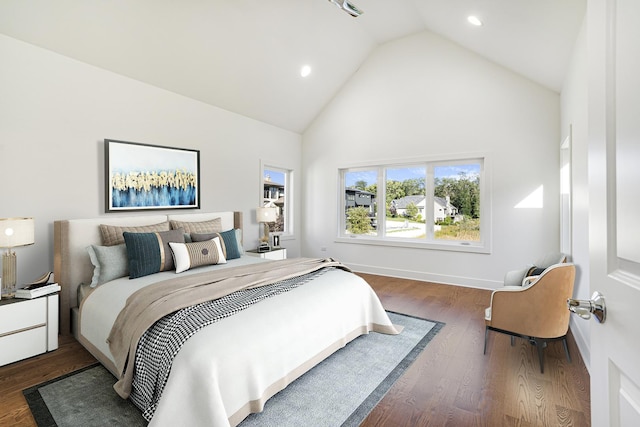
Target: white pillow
{"type": "Point", "coordinates": [190, 255]}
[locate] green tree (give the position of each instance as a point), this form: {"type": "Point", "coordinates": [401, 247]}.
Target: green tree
{"type": "Point", "coordinates": [463, 192]}
{"type": "Point", "coordinates": [358, 221]}
{"type": "Point", "coordinates": [373, 188]}
{"type": "Point", "coordinates": [394, 191]}
{"type": "Point", "coordinates": [412, 210]}
{"type": "Point", "coordinates": [361, 184]}
{"type": "Point", "coordinates": [444, 187]}
{"type": "Point", "coordinates": [413, 187]}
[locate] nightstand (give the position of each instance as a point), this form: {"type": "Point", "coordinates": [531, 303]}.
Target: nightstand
{"type": "Point", "coordinates": [274, 254]}
{"type": "Point", "coordinates": [28, 327]}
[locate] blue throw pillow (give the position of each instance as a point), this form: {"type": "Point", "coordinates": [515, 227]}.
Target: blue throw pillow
{"type": "Point", "coordinates": [150, 253]}
{"type": "Point", "coordinates": [231, 243]}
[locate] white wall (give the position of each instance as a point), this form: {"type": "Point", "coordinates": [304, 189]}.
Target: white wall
{"type": "Point", "coordinates": [55, 113]}
{"type": "Point", "coordinates": [424, 96]}
{"type": "Point", "coordinates": [574, 106]}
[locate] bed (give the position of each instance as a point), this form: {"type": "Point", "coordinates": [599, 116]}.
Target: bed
{"type": "Point", "coordinates": [269, 321]}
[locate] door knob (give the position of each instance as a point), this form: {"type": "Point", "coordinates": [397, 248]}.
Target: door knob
{"type": "Point", "coordinates": [585, 308]}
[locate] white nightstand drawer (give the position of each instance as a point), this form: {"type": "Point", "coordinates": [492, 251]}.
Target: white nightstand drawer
{"type": "Point", "coordinates": [23, 345]}
{"type": "Point", "coordinates": [23, 315]}
{"type": "Point", "coordinates": [274, 254]}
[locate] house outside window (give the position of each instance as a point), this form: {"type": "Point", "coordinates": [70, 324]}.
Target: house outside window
{"type": "Point", "coordinates": [276, 185]}
{"type": "Point", "coordinates": [431, 204]}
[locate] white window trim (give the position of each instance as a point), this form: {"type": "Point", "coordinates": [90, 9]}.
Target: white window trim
{"type": "Point", "coordinates": [483, 246]}
{"type": "Point", "coordinates": [289, 227]}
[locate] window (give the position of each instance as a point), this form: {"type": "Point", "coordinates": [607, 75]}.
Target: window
{"type": "Point", "coordinates": [437, 204]}
{"type": "Point", "coordinates": [276, 192]}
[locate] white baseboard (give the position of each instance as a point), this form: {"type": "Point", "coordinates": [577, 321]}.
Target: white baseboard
{"type": "Point", "coordinates": [470, 282]}
{"type": "Point", "coordinates": [581, 341]}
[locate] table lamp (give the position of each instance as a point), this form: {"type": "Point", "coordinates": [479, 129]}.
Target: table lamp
{"type": "Point", "coordinates": [13, 232]}
{"type": "Point", "coordinates": [265, 216]}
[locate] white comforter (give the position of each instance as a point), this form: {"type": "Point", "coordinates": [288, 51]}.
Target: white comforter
{"type": "Point", "coordinates": [229, 368]}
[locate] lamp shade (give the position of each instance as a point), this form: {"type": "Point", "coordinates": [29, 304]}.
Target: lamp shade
{"type": "Point", "coordinates": [266, 214]}
{"type": "Point", "coordinates": [16, 232]}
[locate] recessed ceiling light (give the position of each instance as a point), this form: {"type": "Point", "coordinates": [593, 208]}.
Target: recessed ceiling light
{"type": "Point", "coordinates": [474, 20]}
{"type": "Point", "coordinates": [305, 70]}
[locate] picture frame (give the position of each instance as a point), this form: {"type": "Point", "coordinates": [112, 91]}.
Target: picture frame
{"type": "Point", "coordinates": [150, 177]}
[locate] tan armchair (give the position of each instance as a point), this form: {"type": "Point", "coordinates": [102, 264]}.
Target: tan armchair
{"type": "Point", "coordinates": [537, 311]}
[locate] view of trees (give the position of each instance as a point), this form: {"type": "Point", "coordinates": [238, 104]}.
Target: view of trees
{"type": "Point", "coordinates": [358, 221]}
{"type": "Point", "coordinates": [408, 186]}
{"type": "Point", "coordinates": [464, 191]}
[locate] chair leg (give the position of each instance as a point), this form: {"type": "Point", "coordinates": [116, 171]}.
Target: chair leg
{"type": "Point", "coordinates": [540, 346]}
{"type": "Point", "coordinates": [486, 334]}
{"type": "Point", "coordinates": [566, 348]}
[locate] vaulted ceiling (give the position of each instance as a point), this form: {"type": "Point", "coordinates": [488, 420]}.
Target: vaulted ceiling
{"type": "Point", "coordinates": [245, 55]}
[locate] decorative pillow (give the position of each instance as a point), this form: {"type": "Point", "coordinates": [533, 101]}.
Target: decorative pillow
{"type": "Point", "coordinates": [231, 247]}
{"type": "Point", "coordinates": [230, 238]}
{"type": "Point", "coordinates": [109, 262]}
{"type": "Point", "coordinates": [202, 237]}
{"type": "Point", "coordinates": [190, 255]}
{"type": "Point", "coordinates": [239, 240]}
{"type": "Point", "coordinates": [535, 271]}
{"type": "Point", "coordinates": [149, 253]}
{"type": "Point", "coordinates": [113, 234]}
{"type": "Point", "coordinates": [195, 237]}
{"type": "Point", "coordinates": [211, 226]}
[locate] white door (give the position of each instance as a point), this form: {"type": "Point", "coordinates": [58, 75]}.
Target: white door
{"type": "Point", "coordinates": [614, 202]}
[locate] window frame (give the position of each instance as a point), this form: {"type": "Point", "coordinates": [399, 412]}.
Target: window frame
{"type": "Point", "coordinates": [429, 242]}
{"type": "Point", "coordinates": [288, 210]}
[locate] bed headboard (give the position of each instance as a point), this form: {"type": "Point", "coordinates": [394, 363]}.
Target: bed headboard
{"type": "Point", "coordinates": [71, 263]}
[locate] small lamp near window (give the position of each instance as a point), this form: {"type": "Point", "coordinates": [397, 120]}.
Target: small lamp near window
{"type": "Point", "coordinates": [13, 232]}
{"type": "Point", "coordinates": [264, 216]}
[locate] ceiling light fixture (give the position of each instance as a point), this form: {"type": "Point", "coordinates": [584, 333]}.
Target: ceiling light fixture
{"type": "Point", "coordinates": [474, 20]}
{"type": "Point", "coordinates": [350, 8]}
{"type": "Point", "coordinates": [305, 70]}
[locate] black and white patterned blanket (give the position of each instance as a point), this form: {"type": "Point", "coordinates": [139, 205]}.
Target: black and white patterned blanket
{"type": "Point", "coordinates": [162, 342]}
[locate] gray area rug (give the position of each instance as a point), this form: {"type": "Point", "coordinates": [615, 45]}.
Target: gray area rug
{"type": "Point", "coordinates": [340, 391]}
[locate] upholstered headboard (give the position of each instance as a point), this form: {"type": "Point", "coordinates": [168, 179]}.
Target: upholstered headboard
{"type": "Point", "coordinates": [71, 262]}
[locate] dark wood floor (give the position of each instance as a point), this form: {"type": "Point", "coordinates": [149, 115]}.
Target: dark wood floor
{"type": "Point", "coordinates": [451, 384]}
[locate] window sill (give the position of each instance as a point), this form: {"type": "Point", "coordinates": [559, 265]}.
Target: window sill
{"type": "Point", "coordinates": [429, 245]}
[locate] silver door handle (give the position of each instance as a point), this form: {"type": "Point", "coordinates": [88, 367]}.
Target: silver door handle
{"type": "Point", "coordinates": [585, 308]}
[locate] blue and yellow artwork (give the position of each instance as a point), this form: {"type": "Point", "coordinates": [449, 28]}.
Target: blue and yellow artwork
{"type": "Point", "coordinates": [144, 176]}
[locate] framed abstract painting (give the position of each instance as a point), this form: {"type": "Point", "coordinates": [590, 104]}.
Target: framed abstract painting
{"type": "Point", "coordinates": [144, 176]}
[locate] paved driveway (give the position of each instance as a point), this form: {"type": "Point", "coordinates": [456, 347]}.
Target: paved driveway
{"type": "Point", "coordinates": [405, 229]}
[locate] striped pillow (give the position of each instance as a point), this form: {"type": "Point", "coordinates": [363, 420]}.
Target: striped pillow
{"type": "Point", "coordinates": [229, 241]}
{"type": "Point", "coordinates": [196, 254]}
{"type": "Point", "coordinates": [149, 253]}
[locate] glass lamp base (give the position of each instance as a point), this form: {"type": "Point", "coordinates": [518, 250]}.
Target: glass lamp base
{"type": "Point", "coordinates": [8, 275]}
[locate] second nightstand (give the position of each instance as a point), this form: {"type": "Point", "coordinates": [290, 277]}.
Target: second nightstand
{"type": "Point", "coordinates": [28, 327]}
{"type": "Point", "coordinates": [274, 254]}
